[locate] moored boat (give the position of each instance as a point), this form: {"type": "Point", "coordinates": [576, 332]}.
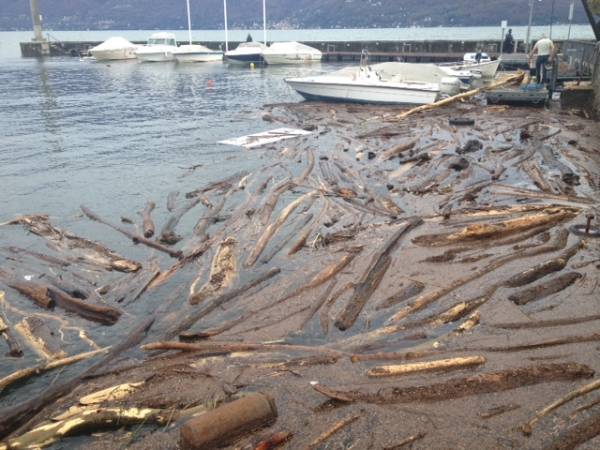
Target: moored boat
{"type": "Point", "coordinates": [364, 85]}
{"type": "Point", "coordinates": [160, 47]}
{"type": "Point", "coordinates": [451, 80]}
{"type": "Point", "coordinates": [114, 48]}
{"type": "Point", "coordinates": [246, 53]}
{"type": "Point", "coordinates": [193, 53]}
{"type": "Point", "coordinates": [291, 53]}
{"type": "Point", "coordinates": [197, 53]}
{"type": "Point", "coordinates": [486, 67]}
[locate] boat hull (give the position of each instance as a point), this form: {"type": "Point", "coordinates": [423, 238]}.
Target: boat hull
{"type": "Point", "coordinates": [249, 58]}
{"type": "Point", "coordinates": [487, 69]}
{"type": "Point", "coordinates": [113, 55]}
{"type": "Point", "coordinates": [357, 93]}
{"type": "Point", "coordinates": [199, 57]}
{"type": "Point", "coordinates": [162, 56]}
{"type": "Point", "coordinates": [298, 58]}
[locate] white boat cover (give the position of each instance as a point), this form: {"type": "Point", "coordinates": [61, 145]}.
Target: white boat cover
{"type": "Point", "coordinates": [195, 48]}
{"type": "Point", "coordinates": [114, 43]}
{"type": "Point", "coordinates": [291, 48]}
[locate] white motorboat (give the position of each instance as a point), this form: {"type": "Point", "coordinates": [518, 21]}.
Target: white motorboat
{"type": "Point", "coordinates": [115, 48]}
{"type": "Point", "coordinates": [291, 53]}
{"type": "Point", "coordinates": [160, 47]}
{"type": "Point", "coordinates": [246, 53]}
{"type": "Point", "coordinates": [472, 58]}
{"type": "Point", "coordinates": [364, 85]}
{"type": "Point", "coordinates": [197, 53]}
{"type": "Point", "coordinates": [450, 80]}
{"type": "Point", "coordinates": [486, 67]}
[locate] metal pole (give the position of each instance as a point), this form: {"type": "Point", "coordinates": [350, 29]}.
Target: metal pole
{"type": "Point", "coordinates": [528, 43]}
{"type": "Point", "coordinates": [551, 19]}
{"type": "Point", "coordinates": [37, 20]}
{"type": "Point", "coordinates": [593, 22]}
{"type": "Point", "coordinates": [189, 22]}
{"type": "Point", "coordinates": [226, 31]}
{"type": "Point", "coordinates": [265, 22]}
{"type": "Point", "coordinates": [571, 9]}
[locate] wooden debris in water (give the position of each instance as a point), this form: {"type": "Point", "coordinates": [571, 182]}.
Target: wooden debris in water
{"type": "Point", "coordinates": [28, 372]}
{"type": "Point", "coordinates": [41, 337]}
{"type": "Point", "coordinates": [427, 366]}
{"type": "Point", "coordinates": [136, 238]}
{"type": "Point", "coordinates": [527, 428]}
{"type": "Point", "coordinates": [370, 280]}
{"type": "Point", "coordinates": [148, 224]}
{"type": "Point", "coordinates": [222, 273]}
{"type": "Point", "coordinates": [460, 387]}
{"type": "Point", "coordinates": [545, 288]}
{"type": "Point", "coordinates": [90, 251]}
{"type": "Point", "coordinates": [330, 432]}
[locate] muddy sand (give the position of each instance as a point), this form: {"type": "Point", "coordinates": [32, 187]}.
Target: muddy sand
{"type": "Point", "coordinates": [326, 279]}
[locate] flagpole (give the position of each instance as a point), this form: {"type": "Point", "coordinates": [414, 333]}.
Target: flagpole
{"type": "Point", "coordinates": [226, 31]}
{"type": "Point", "coordinates": [189, 22]}
{"type": "Point", "coordinates": [265, 22]}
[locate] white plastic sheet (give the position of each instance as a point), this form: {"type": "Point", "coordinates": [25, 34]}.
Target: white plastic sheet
{"type": "Point", "coordinates": [266, 137]}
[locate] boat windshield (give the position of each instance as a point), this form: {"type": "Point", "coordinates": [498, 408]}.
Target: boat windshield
{"type": "Point", "coordinates": [161, 42]}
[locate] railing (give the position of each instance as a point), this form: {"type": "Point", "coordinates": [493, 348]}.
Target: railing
{"type": "Point", "coordinates": [577, 58]}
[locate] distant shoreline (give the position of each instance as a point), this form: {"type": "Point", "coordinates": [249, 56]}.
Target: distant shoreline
{"type": "Point", "coordinates": [91, 30]}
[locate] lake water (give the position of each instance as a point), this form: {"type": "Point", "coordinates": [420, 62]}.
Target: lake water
{"type": "Point", "coordinates": [110, 134]}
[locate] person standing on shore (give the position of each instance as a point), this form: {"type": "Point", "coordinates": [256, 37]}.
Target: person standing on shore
{"type": "Point", "coordinates": [508, 46]}
{"type": "Point", "coordinates": [544, 48]}
{"type": "Point", "coordinates": [478, 55]}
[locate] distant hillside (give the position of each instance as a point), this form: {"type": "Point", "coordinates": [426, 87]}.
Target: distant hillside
{"type": "Point", "coordinates": [208, 14]}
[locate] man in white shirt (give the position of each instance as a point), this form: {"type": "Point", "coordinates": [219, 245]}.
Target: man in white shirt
{"type": "Point", "coordinates": [544, 48]}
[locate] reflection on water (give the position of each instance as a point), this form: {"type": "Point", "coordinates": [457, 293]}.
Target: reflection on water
{"type": "Point", "coordinates": [109, 133]}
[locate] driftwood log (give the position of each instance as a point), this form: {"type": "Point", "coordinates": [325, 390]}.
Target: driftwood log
{"type": "Point", "coordinates": [136, 238]}
{"type": "Point", "coordinates": [508, 80]}
{"type": "Point", "coordinates": [15, 416]}
{"type": "Point", "coordinates": [147, 223]}
{"type": "Point", "coordinates": [369, 282]}
{"type": "Point", "coordinates": [14, 349]}
{"type": "Point", "coordinates": [90, 251]}
{"type": "Point", "coordinates": [545, 288]}
{"type": "Point", "coordinates": [222, 273]}
{"type": "Point", "coordinates": [91, 420]}
{"type": "Point", "coordinates": [460, 387]}
{"type": "Point", "coordinates": [41, 337]}
{"type": "Point", "coordinates": [427, 366]}
{"type": "Point", "coordinates": [527, 428]}
{"type": "Point", "coordinates": [194, 317]}
{"type": "Point", "coordinates": [29, 372]}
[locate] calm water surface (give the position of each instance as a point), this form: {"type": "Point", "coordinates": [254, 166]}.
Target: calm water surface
{"type": "Point", "coordinates": [111, 135]}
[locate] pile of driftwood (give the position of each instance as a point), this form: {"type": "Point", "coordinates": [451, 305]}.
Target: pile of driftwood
{"type": "Point", "coordinates": [380, 238]}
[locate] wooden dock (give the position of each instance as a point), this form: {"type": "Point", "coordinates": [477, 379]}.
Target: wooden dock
{"type": "Point", "coordinates": [417, 51]}
{"type": "Point", "coordinates": [335, 51]}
